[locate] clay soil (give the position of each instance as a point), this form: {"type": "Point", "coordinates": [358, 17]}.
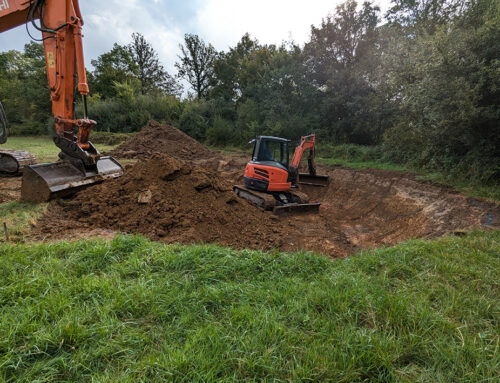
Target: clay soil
{"type": "Point", "coordinates": [10, 189]}
{"type": "Point", "coordinates": [169, 200]}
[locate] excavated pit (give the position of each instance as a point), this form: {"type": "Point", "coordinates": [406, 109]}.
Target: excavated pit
{"type": "Point", "coordinates": [179, 191]}
{"type": "Point", "coordinates": [176, 201]}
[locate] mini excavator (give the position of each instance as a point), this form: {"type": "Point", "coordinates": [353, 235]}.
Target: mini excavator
{"type": "Point", "coordinates": [271, 183]}
{"type": "Point", "coordinates": [80, 164]}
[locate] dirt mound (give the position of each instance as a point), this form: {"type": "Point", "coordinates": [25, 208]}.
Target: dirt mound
{"type": "Point", "coordinates": [155, 138]}
{"type": "Point", "coordinates": [166, 199]}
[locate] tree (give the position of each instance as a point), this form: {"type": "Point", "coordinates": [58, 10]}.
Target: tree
{"type": "Point", "coordinates": [341, 59]}
{"type": "Point", "coordinates": [115, 66]}
{"type": "Point", "coordinates": [151, 73]}
{"type": "Point", "coordinates": [197, 64]}
{"type": "Point", "coordinates": [24, 90]}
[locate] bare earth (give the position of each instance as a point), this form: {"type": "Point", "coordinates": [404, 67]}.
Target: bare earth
{"type": "Point", "coordinates": [180, 201]}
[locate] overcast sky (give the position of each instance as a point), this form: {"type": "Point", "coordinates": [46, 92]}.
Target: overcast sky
{"type": "Point", "coordinates": [164, 23]}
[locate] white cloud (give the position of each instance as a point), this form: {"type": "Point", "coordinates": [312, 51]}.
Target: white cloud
{"type": "Point", "coordinates": [116, 22]}
{"type": "Point", "coordinates": [164, 23]}
{"type": "Point", "coordinates": [223, 22]}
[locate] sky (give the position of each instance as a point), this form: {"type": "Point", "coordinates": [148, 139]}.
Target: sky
{"type": "Point", "coordinates": [164, 23]}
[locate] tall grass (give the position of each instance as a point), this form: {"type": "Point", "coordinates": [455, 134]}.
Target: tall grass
{"type": "Point", "coordinates": [131, 310]}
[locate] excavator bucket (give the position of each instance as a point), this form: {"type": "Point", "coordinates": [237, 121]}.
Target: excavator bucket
{"type": "Point", "coordinates": [308, 179]}
{"type": "Point", "coordinates": [58, 179]}
{"type": "Point", "coordinates": [12, 162]}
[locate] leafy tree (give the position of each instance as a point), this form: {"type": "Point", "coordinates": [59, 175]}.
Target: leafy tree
{"type": "Point", "coordinates": [115, 66]}
{"type": "Point", "coordinates": [341, 60]}
{"type": "Point", "coordinates": [150, 73]}
{"type": "Point", "coordinates": [196, 64]}
{"type": "Point", "coordinates": [24, 90]}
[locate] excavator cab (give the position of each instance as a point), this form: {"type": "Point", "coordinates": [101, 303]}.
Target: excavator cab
{"type": "Point", "coordinates": [268, 169]}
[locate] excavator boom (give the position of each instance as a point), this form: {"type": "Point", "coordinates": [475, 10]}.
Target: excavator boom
{"type": "Point", "coordinates": [60, 23]}
{"type": "Point", "coordinates": [311, 178]}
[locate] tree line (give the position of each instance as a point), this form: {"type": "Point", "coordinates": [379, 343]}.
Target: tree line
{"type": "Point", "coordinates": [421, 82]}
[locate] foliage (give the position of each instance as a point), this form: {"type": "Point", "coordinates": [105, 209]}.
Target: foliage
{"type": "Point", "coordinates": [115, 66]}
{"type": "Point", "coordinates": [422, 82]}
{"type": "Point", "coordinates": [450, 107]}
{"type": "Point", "coordinates": [23, 88]}
{"type": "Point", "coordinates": [150, 73]}
{"type": "Point", "coordinates": [130, 114]}
{"type": "Point", "coordinates": [132, 310]}
{"type": "Point", "coordinates": [196, 64]}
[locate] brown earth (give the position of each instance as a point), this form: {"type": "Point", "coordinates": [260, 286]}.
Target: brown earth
{"type": "Point", "coordinates": [155, 138]}
{"type": "Point", "coordinates": [172, 200]}
{"type": "Point", "coordinates": [176, 201]}
{"type": "Point", "coordinates": [169, 200]}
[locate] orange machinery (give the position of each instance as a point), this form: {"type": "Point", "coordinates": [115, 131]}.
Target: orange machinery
{"type": "Point", "coordinates": [271, 182]}
{"type": "Point", "coordinates": [60, 23]}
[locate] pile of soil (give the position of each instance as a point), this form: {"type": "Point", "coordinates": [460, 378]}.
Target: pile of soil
{"type": "Point", "coordinates": [169, 200]}
{"type": "Point", "coordinates": [155, 138]}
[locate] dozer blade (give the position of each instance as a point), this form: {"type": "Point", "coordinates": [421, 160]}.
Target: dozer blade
{"type": "Point", "coordinates": [12, 162]}
{"type": "Point", "coordinates": [308, 179]}
{"type": "Point", "coordinates": [58, 179]}
{"type": "Point", "coordinates": [296, 208]}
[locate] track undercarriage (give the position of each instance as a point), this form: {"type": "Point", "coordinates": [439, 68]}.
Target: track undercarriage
{"type": "Point", "coordinates": [280, 203]}
{"type": "Point", "coordinates": [13, 162]}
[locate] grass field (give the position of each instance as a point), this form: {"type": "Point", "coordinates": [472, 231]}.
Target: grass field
{"type": "Point", "coordinates": [42, 147]}
{"type": "Point", "coordinates": [131, 310]}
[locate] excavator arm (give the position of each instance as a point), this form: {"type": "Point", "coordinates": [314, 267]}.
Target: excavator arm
{"type": "Point", "coordinates": [60, 23]}
{"type": "Point", "coordinates": [306, 142]}
{"type": "Point", "coordinates": [310, 178]}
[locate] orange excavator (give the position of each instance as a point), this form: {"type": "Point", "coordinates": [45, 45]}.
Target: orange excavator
{"type": "Point", "coordinates": [272, 183]}
{"type": "Point", "coordinates": [60, 23]}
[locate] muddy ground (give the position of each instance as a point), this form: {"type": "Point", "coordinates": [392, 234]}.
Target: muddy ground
{"type": "Point", "coordinates": [177, 201]}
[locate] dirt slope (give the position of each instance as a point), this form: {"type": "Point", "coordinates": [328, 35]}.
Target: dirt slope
{"type": "Point", "coordinates": [169, 200]}
{"type": "Point", "coordinates": [164, 139]}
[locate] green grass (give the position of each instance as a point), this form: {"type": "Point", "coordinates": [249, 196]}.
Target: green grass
{"type": "Point", "coordinates": [43, 148]}
{"type": "Point", "coordinates": [19, 217]}
{"type": "Point", "coordinates": [361, 164]}
{"type": "Point", "coordinates": [131, 310]}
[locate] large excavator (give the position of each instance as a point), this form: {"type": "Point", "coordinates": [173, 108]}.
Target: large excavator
{"type": "Point", "coordinates": [60, 23]}
{"type": "Point", "coordinates": [272, 183]}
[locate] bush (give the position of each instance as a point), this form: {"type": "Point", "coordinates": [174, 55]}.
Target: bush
{"type": "Point", "coordinates": [130, 115]}
{"type": "Point", "coordinates": [221, 133]}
